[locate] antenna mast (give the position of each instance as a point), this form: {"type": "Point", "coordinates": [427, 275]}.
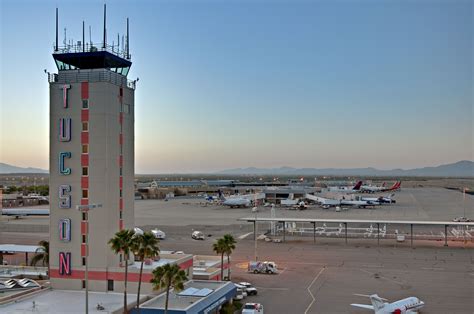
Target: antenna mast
{"type": "Point", "coordinates": [83, 38]}
{"type": "Point", "coordinates": [105, 19]}
{"type": "Point", "coordinates": [128, 42]}
{"type": "Point", "coordinates": [56, 48]}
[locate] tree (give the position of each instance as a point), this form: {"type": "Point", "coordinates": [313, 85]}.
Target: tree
{"type": "Point", "coordinates": [144, 246]}
{"type": "Point", "coordinates": [220, 248]}
{"type": "Point", "coordinates": [167, 276]}
{"type": "Point", "coordinates": [42, 254]}
{"type": "Point", "coordinates": [122, 243]}
{"type": "Point", "coordinates": [229, 247]}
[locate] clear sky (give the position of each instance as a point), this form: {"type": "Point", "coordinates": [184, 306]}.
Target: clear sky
{"type": "Point", "coordinates": [227, 84]}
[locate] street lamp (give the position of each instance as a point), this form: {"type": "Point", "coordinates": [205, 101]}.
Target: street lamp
{"type": "Point", "coordinates": [255, 210]}
{"type": "Point", "coordinates": [85, 209]}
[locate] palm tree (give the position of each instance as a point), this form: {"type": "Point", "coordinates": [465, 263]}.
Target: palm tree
{"type": "Point", "coordinates": [42, 254]}
{"type": "Point", "coordinates": [229, 248]}
{"type": "Point", "coordinates": [122, 242]}
{"type": "Point", "coordinates": [144, 246]}
{"type": "Point", "coordinates": [167, 276]}
{"type": "Point", "coordinates": [220, 248]}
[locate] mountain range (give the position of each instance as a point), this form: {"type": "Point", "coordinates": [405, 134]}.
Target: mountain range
{"type": "Point", "coordinates": [6, 169]}
{"type": "Point", "coordinates": [464, 168]}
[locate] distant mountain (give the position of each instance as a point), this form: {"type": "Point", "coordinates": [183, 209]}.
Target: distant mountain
{"type": "Point", "coordinates": [464, 168]}
{"type": "Point", "coordinates": [6, 169]}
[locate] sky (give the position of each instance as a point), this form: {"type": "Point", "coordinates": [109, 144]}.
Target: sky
{"type": "Point", "coordinates": [227, 84]}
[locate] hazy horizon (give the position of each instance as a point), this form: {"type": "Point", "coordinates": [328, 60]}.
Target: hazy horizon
{"type": "Point", "coordinates": [304, 84]}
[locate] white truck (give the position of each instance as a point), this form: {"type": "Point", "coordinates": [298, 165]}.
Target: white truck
{"type": "Point", "coordinates": [262, 267]}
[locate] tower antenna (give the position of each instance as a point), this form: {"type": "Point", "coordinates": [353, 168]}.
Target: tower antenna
{"type": "Point", "coordinates": [128, 42]}
{"type": "Point", "coordinates": [83, 38]}
{"type": "Point", "coordinates": [90, 36]}
{"type": "Point", "coordinates": [56, 48]}
{"type": "Point", "coordinates": [105, 20]}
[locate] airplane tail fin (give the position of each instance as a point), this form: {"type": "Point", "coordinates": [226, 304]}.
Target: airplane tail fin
{"type": "Point", "coordinates": [395, 186]}
{"type": "Point", "coordinates": [383, 184]}
{"type": "Point", "coordinates": [357, 186]}
{"type": "Point", "coordinates": [221, 196]}
{"type": "Point", "coordinates": [377, 302]}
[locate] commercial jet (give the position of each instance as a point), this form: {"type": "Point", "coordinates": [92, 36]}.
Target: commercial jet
{"type": "Point", "coordinates": [330, 202]}
{"type": "Point", "coordinates": [381, 199]}
{"type": "Point", "coordinates": [404, 306]}
{"type": "Point", "coordinates": [346, 189]}
{"type": "Point", "coordinates": [382, 188]}
{"type": "Point", "coordinates": [234, 201]}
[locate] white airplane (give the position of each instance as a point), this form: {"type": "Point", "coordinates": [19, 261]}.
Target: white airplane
{"type": "Point", "coordinates": [382, 188]}
{"type": "Point", "coordinates": [346, 189]}
{"type": "Point", "coordinates": [22, 212]}
{"type": "Point", "coordinates": [381, 199]}
{"type": "Point", "coordinates": [329, 202]}
{"type": "Point", "coordinates": [404, 306]}
{"type": "Point", "coordinates": [234, 201]}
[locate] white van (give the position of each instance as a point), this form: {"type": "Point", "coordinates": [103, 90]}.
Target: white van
{"type": "Point", "coordinates": [197, 235]}
{"type": "Point", "coordinates": [252, 308]}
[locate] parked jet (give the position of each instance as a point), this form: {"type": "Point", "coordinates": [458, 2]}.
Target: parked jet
{"type": "Point", "coordinates": [382, 188]}
{"type": "Point", "coordinates": [381, 199]}
{"type": "Point", "coordinates": [407, 305]}
{"type": "Point", "coordinates": [23, 212]}
{"type": "Point", "coordinates": [330, 202]}
{"type": "Point", "coordinates": [346, 189]}
{"type": "Point", "coordinates": [234, 201]}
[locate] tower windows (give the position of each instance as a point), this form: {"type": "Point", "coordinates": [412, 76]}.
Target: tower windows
{"type": "Point", "coordinates": [85, 193]}
{"type": "Point", "coordinates": [85, 104]}
{"type": "Point", "coordinates": [85, 171]}
{"type": "Point", "coordinates": [85, 126]}
{"type": "Point", "coordinates": [85, 148]}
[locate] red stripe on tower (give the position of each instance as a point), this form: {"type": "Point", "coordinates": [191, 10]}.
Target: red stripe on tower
{"type": "Point", "coordinates": [85, 90]}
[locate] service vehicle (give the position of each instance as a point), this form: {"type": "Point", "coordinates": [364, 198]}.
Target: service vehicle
{"type": "Point", "coordinates": [262, 267]}
{"type": "Point", "coordinates": [197, 235]}
{"type": "Point", "coordinates": [158, 234]}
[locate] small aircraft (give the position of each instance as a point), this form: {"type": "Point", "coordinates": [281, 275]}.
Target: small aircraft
{"type": "Point", "coordinates": [346, 189]}
{"type": "Point", "coordinates": [23, 212]}
{"type": "Point", "coordinates": [382, 188]}
{"type": "Point", "coordinates": [405, 306]}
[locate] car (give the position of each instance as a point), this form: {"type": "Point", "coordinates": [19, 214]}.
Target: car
{"type": "Point", "coordinates": [461, 219]}
{"type": "Point", "coordinates": [251, 290]}
{"type": "Point", "coordinates": [158, 234]}
{"type": "Point", "coordinates": [138, 231]}
{"type": "Point", "coordinates": [197, 235]}
{"type": "Point", "coordinates": [252, 308]}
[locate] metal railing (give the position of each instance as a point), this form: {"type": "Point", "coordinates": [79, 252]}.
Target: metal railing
{"type": "Point", "coordinates": [93, 75]}
{"type": "Point", "coordinates": [91, 47]}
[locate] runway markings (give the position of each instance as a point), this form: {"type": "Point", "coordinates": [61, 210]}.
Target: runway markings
{"type": "Point", "coordinates": [309, 289]}
{"type": "Point", "coordinates": [373, 266]}
{"type": "Point", "coordinates": [432, 268]}
{"type": "Point", "coordinates": [380, 276]}
{"type": "Point", "coordinates": [244, 236]}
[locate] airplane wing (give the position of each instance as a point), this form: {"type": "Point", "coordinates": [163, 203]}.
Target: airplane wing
{"type": "Point", "coordinates": [364, 306]}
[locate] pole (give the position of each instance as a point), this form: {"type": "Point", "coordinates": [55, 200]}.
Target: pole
{"type": "Point", "coordinates": [345, 227]}
{"type": "Point", "coordinates": [284, 231]}
{"type": "Point", "coordinates": [378, 233]}
{"type": "Point", "coordinates": [256, 231]}
{"type": "Point", "coordinates": [411, 234]}
{"type": "Point", "coordinates": [314, 231]}
{"type": "Point", "coordinates": [87, 262]}
{"type": "Point", "coordinates": [445, 235]}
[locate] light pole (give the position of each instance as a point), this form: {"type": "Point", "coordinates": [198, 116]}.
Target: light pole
{"type": "Point", "coordinates": [255, 210]}
{"type": "Point", "coordinates": [85, 209]}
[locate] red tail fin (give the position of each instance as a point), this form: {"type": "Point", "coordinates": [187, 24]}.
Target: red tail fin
{"type": "Point", "coordinates": [357, 186]}
{"type": "Point", "coordinates": [396, 185]}
{"type": "Point", "coordinates": [383, 184]}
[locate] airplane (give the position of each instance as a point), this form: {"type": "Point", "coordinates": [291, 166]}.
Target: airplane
{"type": "Point", "coordinates": [329, 202]}
{"type": "Point", "coordinates": [346, 189]}
{"type": "Point", "coordinates": [23, 212]}
{"type": "Point", "coordinates": [381, 199]}
{"type": "Point", "coordinates": [234, 201]}
{"type": "Point", "coordinates": [382, 188]}
{"type": "Point", "coordinates": [405, 306]}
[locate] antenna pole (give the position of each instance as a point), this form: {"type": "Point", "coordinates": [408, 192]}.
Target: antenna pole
{"type": "Point", "coordinates": [105, 20]}
{"type": "Point", "coordinates": [56, 48]}
{"type": "Point", "coordinates": [83, 38]}
{"type": "Point", "coordinates": [128, 42]}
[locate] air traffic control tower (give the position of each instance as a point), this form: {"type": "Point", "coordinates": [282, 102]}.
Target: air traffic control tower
{"type": "Point", "coordinates": [91, 161]}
